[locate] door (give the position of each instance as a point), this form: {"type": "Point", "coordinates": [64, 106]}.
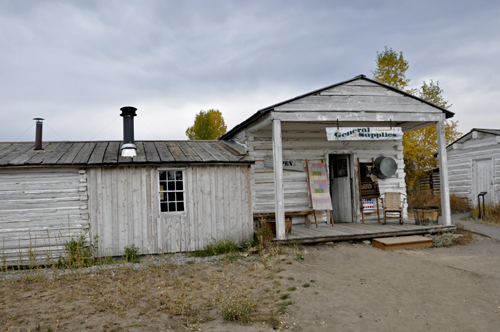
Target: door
{"type": "Point", "coordinates": [341, 187]}
{"type": "Point", "coordinates": [483, 180]}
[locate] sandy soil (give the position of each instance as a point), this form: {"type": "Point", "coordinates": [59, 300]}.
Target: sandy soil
{"type": "Point", "coordinates": [341, 287]}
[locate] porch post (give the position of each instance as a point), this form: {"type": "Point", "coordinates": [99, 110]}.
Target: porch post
{"type": "Point", "coordinates": [443, 174]}
{"type": "Point", "coordinates": [278, 180]}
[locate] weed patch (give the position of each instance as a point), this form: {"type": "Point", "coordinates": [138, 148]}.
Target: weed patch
{"type": "Point", "coordinates": [237, 307]}
{"type": "Point", "coordinates": [132, 254]}
{"type": "Point", "coordinates": [79, 253]}
{"type": "Point", "coordinates": [217, 247]}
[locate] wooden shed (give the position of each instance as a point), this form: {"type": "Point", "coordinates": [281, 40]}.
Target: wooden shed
{"type": "Point", "coordinates": [285, 137]}
{"type": "Point", "coordinates": [173, 196]}
{"type": "Point", "coordinates": [474, 165]}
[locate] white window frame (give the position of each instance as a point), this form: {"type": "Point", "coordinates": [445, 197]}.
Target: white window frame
{"type": "Point", "coordinates": [160, 192]}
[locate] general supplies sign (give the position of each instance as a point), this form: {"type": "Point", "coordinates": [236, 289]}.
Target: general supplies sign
{"type": "Point", "coordinates": [363, 133]}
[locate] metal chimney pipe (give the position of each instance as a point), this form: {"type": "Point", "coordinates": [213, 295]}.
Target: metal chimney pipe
{"type": "Point", "coordinates": [38, 135]}
{"type": "Point", "coordinates": [128, 148]}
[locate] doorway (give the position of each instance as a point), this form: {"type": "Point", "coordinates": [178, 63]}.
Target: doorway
{"type": "Point", "coordinates": [341, 187]}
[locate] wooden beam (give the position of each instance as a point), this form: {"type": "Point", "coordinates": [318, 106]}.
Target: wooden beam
{"type": "Point", "coordinates": [322, 116]}
{"type": "Point", "coordinates": [443, 173]}
{"type": "Point", "coordinates": [279, 196]}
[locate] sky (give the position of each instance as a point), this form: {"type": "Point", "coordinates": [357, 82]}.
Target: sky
{"type": "Point", "coordinates": [76, 63]}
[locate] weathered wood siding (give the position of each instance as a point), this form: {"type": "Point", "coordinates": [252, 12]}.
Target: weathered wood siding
{"type": "Point", "coordinates": [40, 210]}
{"type": "Point", "coordinates": [306, 141]}
{"type": "Point", "coordinates": [124, 209]}
{"type": "Point", "coordinates": [461, 165]}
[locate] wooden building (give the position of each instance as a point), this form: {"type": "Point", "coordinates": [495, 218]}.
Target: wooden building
{"type": "Point", "coordinates": [474, 165]}
{"type": "Point", "coordinates": [173, 196]}
{"type": "Point", "coordinates": [294, 132]}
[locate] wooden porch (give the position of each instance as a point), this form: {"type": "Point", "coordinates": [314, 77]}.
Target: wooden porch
{"type": "Point", "coordinates": [357, 231]}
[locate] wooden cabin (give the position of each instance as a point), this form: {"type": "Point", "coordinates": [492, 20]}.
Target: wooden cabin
{"type": "Point", "coordinates": [173, 196]}
{"type": "Point", "coordinates": [285, 137]}
{"type": "Point", "coordinates": [474, 165]}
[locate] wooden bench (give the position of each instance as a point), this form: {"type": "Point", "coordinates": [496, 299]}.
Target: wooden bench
{"type": "Point", "coordinates": [298, 213]}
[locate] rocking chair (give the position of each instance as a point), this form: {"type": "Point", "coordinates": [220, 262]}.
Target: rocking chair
{"type": "Point", "coordinates": [393, 206]}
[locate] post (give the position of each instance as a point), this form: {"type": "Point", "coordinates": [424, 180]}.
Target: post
{"type": "Point", "coordinates": [443, 173]}
{"type": "Point", "coordinates": [279, 197]}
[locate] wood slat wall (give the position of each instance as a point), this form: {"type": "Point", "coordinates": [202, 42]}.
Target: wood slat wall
{"type": "Point", "coordinates": [124, 209]}
{"type": "Point", "coordinates": [460, 165]}
{"type": "Point", "coordinates": [40, 210]}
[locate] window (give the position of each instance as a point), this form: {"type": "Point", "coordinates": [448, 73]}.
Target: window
{"type": "Point", "coordinates": [171, 190]}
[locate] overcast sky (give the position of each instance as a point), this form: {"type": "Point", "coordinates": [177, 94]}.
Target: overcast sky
{"type": "Point", "coordinates": [75, 63]}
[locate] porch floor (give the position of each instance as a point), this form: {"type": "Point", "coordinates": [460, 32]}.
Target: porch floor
{"type": "Point", "coordinates": [357, 231]}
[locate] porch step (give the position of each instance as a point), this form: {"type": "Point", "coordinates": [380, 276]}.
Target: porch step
{"type": "Point", "coordinates": [402, 242]}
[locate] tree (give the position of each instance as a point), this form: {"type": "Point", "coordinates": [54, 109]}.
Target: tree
{"type": "Point", "coordinates": [420, 145]}
{"type": "Point", "coordinates": [208, 125]}
{"type": "Point", "coordinates": [391, 69]}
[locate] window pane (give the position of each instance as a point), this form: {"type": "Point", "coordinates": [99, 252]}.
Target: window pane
{"type": "Point", "coordinates": [171, 207]}
{"type": "Point", "coordinates": [171, 175]}
{"type": "Point", "coordinates": [171, 185]}
{"type": "Point", "coordinates": [180, 206]}
{"type": "Point", "coordinates": [163, 176]}
{"type": "Point", "coordinates": [179, 197]}
{"type": "Point", "coordinates": [164, 207]}
{"type": "Point", "coordinates": [171, 197]}
{"type": "Point", "coordinates": [178, 175]}
{"type": "Point", "coordinates": [178, 185]}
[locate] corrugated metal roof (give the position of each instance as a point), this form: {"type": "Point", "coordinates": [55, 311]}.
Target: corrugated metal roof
{"type": "Point", "coordinates": [108, 153]}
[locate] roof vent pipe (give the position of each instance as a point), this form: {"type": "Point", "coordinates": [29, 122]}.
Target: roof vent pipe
{"type": "Point", "coordinates": [128, 148]}
{"type": "Point", "coordinates": [38, 135]}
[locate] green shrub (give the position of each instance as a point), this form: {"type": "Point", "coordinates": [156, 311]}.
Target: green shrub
{"type": "Point", "coordinates": [132, 253]}
{"type": "Point", "coordinates": [79, 253]}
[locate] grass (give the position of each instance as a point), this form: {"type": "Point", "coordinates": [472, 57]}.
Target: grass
{"type": "Point", "coordinates": [236, 307]}
{"type": "Point", "coordinates": [217, 247]}
{"type": "Point", "coordinates": [183, 297]}
{"type": "Point", "coordinates": [491, 214]}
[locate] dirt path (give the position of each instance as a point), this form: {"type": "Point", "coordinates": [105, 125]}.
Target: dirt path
{"type": "Point", "coordinates": [342, 287]}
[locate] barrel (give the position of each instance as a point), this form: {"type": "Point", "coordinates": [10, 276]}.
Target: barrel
{"type": "Point", "coordinates": [425, 216]}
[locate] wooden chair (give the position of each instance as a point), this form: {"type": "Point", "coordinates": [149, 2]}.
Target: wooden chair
{"type": "Point", "coordinates": [393, 206]}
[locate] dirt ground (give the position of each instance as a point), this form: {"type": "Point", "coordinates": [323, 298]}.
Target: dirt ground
{"type": "Point", "coordinates": [337, 287]}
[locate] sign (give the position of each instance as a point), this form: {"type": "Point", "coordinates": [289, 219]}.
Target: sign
{"type": "Point", "coordinates": [363, 133]}
{"type": "Point", "coordinates": [292, 165]}
{"type": "Point", "coordinates": [318, 187]}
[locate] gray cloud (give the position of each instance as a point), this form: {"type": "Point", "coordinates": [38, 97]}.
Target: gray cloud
{"type": "Point", "coordinates": [76, 63]}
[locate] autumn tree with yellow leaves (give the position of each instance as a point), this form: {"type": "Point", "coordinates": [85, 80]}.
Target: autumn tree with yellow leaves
{"type": "Point", "coordinates": [208, 125]}
{"type": "Point", "coordinates": [420, 145]}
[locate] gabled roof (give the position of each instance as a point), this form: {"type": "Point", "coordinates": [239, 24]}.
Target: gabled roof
{"type": "Point", "coordinates": [108, 153]}
{"type": "Point", "coordinates": [486, 131]}
{"type": "Point", "coordinates": [266, 110]}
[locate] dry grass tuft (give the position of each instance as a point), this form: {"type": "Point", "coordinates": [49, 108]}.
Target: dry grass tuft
{"type": "Point", "coordinates": [427, 198]}
{"type": "Point", "coordinates": [491, 213]}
